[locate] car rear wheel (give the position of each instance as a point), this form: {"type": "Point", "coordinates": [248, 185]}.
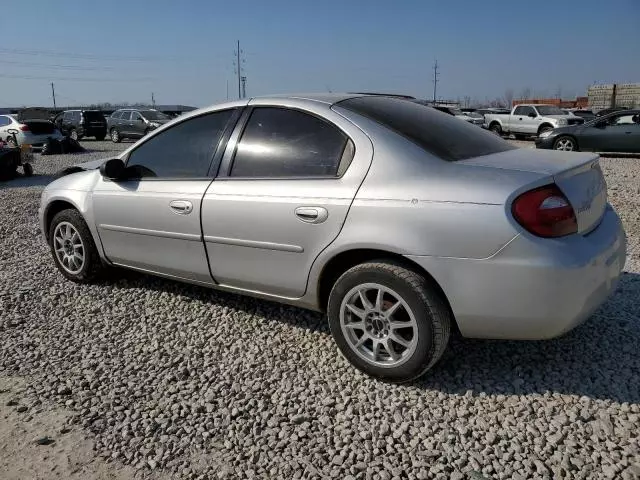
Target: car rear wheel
{"type": "Point", "coordinates": [495, 128]}
{"type": "Point", "coordinates": [388, 321]}
{"type": "Point", "coordinates": [566, 144]}
{"type": "Point", "coordinates": [72, 246]}
{"type": "Point", "coordinates": [115, 136]}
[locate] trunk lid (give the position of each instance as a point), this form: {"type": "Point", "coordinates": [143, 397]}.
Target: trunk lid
{"type": "Point", "coordinates": [578, 175]}
{"type": "Point", "coordinates": [40, 127]}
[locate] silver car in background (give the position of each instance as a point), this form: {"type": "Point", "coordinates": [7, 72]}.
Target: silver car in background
{"type": "Point", "coordinates": [399, 221]}
{"type": "Point", "coordinates": [28, 128]}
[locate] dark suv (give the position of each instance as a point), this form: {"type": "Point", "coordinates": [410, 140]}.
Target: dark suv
{"type": "Point", "coordinates": [134, 123]}
{"type": "Point", "coordinates": [82, 123]}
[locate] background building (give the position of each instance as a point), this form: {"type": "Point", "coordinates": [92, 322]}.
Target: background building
{"type": "Point", "coordinates": [614, 95]}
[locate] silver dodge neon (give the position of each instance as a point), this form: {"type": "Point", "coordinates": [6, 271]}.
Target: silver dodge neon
{"type": "Point", "coordinates": [399, 221]}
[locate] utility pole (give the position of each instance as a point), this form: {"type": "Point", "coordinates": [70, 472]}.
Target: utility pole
{"type": "Point", "coordinates": [53, 94]}
{"type": "Point", "coordinates": [238, 69]}
{"type": "Point", "coordinates": [435, 80]}
{"type": "Point", "coordinates": [153, 100]}
{"type": "Point", "coordinates": [244, 86]}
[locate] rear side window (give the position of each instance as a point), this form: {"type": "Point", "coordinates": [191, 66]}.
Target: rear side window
{"type": "Point", "coordinates": [182, 151]}
{"type": "Point", "coordinates": [442, 135]}
{"type": "Point", "coordinates": [280, 142]}
{"type": "Point", "coordinates": [116, 114]}
{"type": "Point", "coordinates": [4, 121]}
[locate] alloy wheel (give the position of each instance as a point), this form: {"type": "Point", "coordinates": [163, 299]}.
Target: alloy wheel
{"type": "Point", "coordinates": [378, 325]}
{"type": "Point", "coordinates": [68, 247]}
{"type": "Point", "coordinates": [565, 144]}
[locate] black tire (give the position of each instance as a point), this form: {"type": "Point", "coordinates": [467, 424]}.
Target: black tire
{"type": "Point", "coordinates": [27, 168]}
{"type": "Point", "coordinates": [544, 128]}
{"type": "Point", "coordinates": [430, 310]}
{"type": "Point", "coordinates": [92, 266]}
{"type": "Point", "coordinates": [115, 135]}
{"type": "Point", "coordinates": [496, 128]}
{"type": "Point", "coordinates": [73, 134]}
{"type": "Point", "coordinates": [100, 137]}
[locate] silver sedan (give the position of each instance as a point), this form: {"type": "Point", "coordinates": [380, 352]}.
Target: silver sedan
{"type": "Point", "coordinates": [399, 221]}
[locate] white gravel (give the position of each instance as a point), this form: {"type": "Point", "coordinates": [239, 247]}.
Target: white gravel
{"type": "Point", "coordinates": [212, 385]}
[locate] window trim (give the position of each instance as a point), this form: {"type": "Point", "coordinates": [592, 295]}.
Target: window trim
{"type": "Point", "coordinates": [215, 160]}
{"type": "Point", "coordinates": [232, 148]}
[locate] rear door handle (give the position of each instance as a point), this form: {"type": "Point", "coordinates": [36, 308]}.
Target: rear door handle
{"type": "Point", "coordinates": [181, 207]}
{"type": "Point", "coordinates": [312, 214]}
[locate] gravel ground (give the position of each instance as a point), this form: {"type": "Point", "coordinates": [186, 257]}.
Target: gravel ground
{"type": "Point", "coordinates": [204, 384]}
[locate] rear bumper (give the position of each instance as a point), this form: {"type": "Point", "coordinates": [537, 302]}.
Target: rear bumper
{"type": "Point", "coordinates": [533, 289]}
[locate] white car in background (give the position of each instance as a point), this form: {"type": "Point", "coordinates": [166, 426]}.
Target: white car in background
{"type": "Point", "coordinates": [31, 126]}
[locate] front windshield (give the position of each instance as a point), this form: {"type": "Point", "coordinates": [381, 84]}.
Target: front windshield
{"type": "Point", "coordinates": [549, 110]}
{"type": "Point", "coordinates": [154, 115]}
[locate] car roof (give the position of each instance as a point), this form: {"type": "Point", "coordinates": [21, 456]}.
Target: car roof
{"type": "Point", "coordinates": [329, 97]}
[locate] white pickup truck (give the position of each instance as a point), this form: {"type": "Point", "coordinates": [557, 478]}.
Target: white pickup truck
{"type": "Point", "coordinates": [525, 120]}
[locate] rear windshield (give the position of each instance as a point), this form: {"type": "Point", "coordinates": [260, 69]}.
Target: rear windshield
{"type": "Point", "coordinates": [443, 135]}
{"type": "Point", "coordinates": [93, 115]}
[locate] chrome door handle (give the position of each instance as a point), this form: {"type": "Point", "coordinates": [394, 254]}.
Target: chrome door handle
{"type": "Point", "coordinates": [181, 207]}
{"type": "Point", "coordinates": [312, 214]}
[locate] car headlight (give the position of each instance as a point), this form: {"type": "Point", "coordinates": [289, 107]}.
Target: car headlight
{"type": "Point", "coordinates": [545, 134]}
{"type": "Point", "coordinates": [562, 121]}
{"type": "Point", "coordinates": [154, 124]}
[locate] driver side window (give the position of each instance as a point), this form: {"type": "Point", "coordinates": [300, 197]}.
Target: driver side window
{"type": "Point", "coordinates": [183, 151]}
{"type": "Point", "coordinates": [622, 120]}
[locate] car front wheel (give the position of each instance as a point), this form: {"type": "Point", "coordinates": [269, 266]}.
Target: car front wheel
{"type": "Point", "coordinates": [73, 248]}
{"type": "Point", "coordinates": [388, 320]}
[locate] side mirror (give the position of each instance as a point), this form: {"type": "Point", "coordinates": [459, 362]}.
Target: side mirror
{"type": "Point", "coordinates": [532, 114]}
{"type": "Point", "coordinates": [112, 169]}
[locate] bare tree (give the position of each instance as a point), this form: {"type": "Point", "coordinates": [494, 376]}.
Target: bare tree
{"type": "Point", "coordinates": [525, 94]}
{"type": "Point", "coordinates": [508, 97]}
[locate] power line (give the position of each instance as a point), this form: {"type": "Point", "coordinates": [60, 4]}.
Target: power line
{"type": "Point", "coordinates": [54, 65]}
{"type": "Point", "coordinates": [84, 56]}
{"type": "Point", "coordinates": [75, 79]}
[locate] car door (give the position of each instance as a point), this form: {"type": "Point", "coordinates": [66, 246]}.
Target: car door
{"type": "Point", "coordinates": [151, 221]}
{"type": "Point", "coordinates": [614, 133]}
{"type": "Point", "coordinates": [286, 183]}
{"type": "Point", "coordinates": [522, 121]}
{"type": "Point", "coordinates": [137, 125]}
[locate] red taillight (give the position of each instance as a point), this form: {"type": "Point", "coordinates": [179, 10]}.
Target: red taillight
{"type": "Point", "coordinates": [545, 212]}
{"type": "Point", "coordinates": [25, 128]}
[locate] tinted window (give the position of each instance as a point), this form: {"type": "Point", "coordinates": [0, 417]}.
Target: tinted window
{"type": "Point", "coordinates": [442, 135]}
{"type": "Point", "coordinates": [4, 121]}
{"type": "Point", "coordinates": [185, 150]}
{"type": "Point", "coordinates": [136, 116]}
{"type": "Point", "coordinates": [76, 116]}
{"type": "Point", "coordinates": [116, 115]}
{"type": "Point", "coordinates": [67, 115]}
{"type": "Point", "coordinates": [126, 115]}
{"type": "Point", "coordinates": [278, 142]}
{"type": "Point", "coordinates": [523, 111]}
{"type": "Point", "coordinates": [549, 110]}
{"type": "Point", "coordinates": [93, 116]}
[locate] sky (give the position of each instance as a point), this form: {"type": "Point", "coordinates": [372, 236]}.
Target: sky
{"type": "Point", "coordinates": [183, 51]}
